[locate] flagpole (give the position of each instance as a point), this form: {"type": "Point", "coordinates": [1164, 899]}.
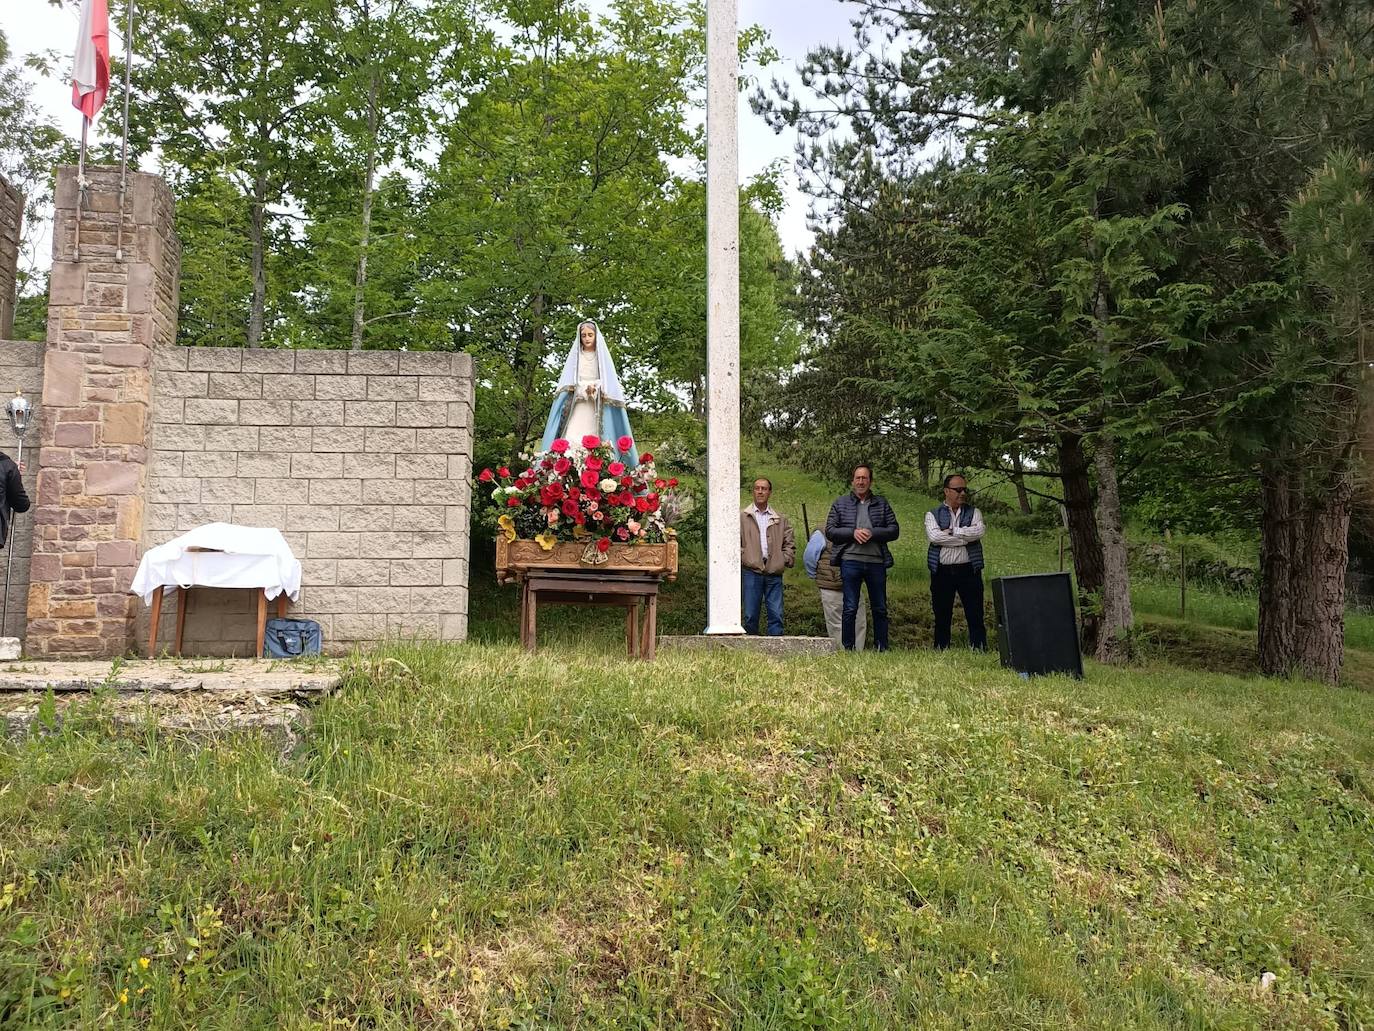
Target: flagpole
{"type": "Point", "coordinates": [124, 143]}
{"type": "Point", "coordinates": [80, 186]}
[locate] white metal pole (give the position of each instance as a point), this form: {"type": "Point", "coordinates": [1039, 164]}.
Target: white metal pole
{"type": "Point", "coordinates": [722, 318]}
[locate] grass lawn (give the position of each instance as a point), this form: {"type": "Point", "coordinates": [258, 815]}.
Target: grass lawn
{"type": "Point", "coordinates": [472, 837]}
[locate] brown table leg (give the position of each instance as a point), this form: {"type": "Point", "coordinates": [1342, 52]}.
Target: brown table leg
{"type": "Point", "coordinates": [182, 594]}
{"type": "Point", "coordinates": [262, 621]}
{"type": "Point", "coordinates": [532, 645]}
{"type": "Point", "coordinates": [153, 621]}
{"type": "Point", "coordinates": [632, 628]}
{"type": "Point", "coordinates": [651, 635]}
{"type": "Point", "coordinates": [281, 605]}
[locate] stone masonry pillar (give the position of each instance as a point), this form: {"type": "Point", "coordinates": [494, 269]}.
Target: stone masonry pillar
{"type": "Point", "coordinates": [104, 319]}
{"type": "Point", "coordinates": [11, 223]}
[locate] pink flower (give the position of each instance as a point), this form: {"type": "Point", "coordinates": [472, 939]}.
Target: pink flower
{"type": "Point", "coordinates": [559, 446]}
{"type": "Point", "coordinates": [616, 468]}
{"type": "Point", "coordinates": [622, 533]}
{"type": "Point", "coordinates": [633, 525]}
{"type": "Point", "coordinates": [590, 441]}
{"type": "Point", "coordinates": [624, 444]}
{"type": "Point", "coordinates": [599, 516]}
{"type": "Point", "coordinates": [562, 466]}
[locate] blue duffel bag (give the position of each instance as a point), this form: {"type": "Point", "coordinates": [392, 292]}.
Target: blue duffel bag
{"type": "Point", "coordinates": [291, 638]}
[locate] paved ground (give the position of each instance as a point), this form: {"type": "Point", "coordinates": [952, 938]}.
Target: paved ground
{"type": "Point", "coordinates": [201, 699]}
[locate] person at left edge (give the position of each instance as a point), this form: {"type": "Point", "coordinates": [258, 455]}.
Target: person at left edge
{"type": "Point", "coordinates": [16, 498]}
{"type": "Point", "coordinates": [767, 547]}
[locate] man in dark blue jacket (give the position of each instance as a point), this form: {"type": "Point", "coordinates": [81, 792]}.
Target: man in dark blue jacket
{"type": "Point", "coordinates": [860, 526]}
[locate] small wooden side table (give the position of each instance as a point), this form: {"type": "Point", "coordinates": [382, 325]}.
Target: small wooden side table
{"type": "Point", "coordinates": [629, 591]}
{"type": "Point", "coordinates": [182, 592]}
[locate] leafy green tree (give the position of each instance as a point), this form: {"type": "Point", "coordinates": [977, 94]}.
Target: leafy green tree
{"type": "Point", "coordinates": [30, 148]}
{"type": "Point", "coordinates": [234, 89]}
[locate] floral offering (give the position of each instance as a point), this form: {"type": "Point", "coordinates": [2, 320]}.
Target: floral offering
{"type": "Point", "coordinates": [582, 492]}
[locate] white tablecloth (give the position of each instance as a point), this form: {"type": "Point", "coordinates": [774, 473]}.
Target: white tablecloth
{"type": "Point", "coordinates": [240, 556]}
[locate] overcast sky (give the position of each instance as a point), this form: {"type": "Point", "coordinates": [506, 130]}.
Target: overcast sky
{"type": "Point", "coordinates": [794, 27]}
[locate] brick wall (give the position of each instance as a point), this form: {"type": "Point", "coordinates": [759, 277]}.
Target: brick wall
{"type": "Point", "coordinates": [21, 369]}
{"type": "Point", "coordinates": [11, 219]}
{"type": "Point", "coordinates": [105, 316]}
{"type": "Point", "coordinates": [362, 460]}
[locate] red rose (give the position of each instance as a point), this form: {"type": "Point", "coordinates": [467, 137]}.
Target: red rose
{"type": "Point", "coordinates": [503, 472]}
{"type": "Point", "coordinates": [590, 479]}
{"type": "Point", "coordinates": [562, 466]}
{"type": "Point", "coordinates": [673, 482]}
{"type": "Point", "coordinates": [580, 519]}
{"type": "Point", "coordinates": [590, 441]}
{"type": "Point", "coordinates": [486, 476]}
{"type": "Point", "coordinates": [624, 444]}
{"type": "Point", "coordinates": [645, 459]}
{"type": "Point", "coordinates": [556, 491]}
{"type": "Point", "coordinates": [570, 507]}
{"type": "Point", "coordinates": [575, 493]}
{"type": "Point", "coordinates": [546, 463]}
{"type": "Point", "coordinates": [625, 481]}
{"type": "Point", "coordinates": [559, 446]}
{"type": "Point", "coordinates": [514, 502]}
{"type": "Point", "coordinates": [604, 544]}
{"type": "Point", "coordinates": [660, 483]}
{"type": "Point", "coordinates": [627, 499]}
{"type": "Point", "coordinates": [593, 463]}
{"type": "Point", "coordinates": [652, 499]}
{"type": "Point", "coordinates": [616, 468]}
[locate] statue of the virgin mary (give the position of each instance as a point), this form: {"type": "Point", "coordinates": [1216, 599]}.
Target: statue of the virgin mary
{"type": "Point", "coordinates": [589, 400]}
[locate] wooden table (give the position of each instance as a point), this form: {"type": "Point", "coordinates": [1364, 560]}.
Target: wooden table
{"type": "Point", "coordinates": [627, 590]}
{"type": "Point", "coordinates": [182, 592]}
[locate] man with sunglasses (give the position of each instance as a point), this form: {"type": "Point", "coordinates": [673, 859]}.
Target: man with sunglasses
{"type": "Point", "coordinates": [955, 557]}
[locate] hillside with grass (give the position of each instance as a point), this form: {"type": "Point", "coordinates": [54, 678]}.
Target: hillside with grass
{"type": "Point", "coordinates": [469, 836]}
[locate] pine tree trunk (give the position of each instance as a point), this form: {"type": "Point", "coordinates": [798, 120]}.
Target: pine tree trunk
{"type": "Point", "coordinates": [1113, 640]}
{"type": "Point", "coordinates": [360, 278]}
{"type": "Point", "coordinates": [1277, 559]}
{"type": "Point", "coordinates": [1018, 477]}
{"type": "Point", "coordinates": [1319, 592]}
{"type": "Point", "coordinates": [1083, 535]}
{"type": "Point", "coordinates": [257, 238]}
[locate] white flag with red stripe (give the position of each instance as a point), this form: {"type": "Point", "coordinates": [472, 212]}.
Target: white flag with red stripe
{"type": "Point", "coordinates": [91, 66]}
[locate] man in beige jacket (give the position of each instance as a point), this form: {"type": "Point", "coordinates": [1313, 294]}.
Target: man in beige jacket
{"type": "Point", "coordinates": [767, 547]}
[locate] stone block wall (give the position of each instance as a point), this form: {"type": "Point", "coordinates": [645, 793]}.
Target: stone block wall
{"type": "Point", "coordinates": [11, 223]}
{"type": "Point", "coordinates": [106, 313]}
{"type": "Point", "coordinates": [21, 369]}
{"type": "Point", "coordinates": [362, 460]}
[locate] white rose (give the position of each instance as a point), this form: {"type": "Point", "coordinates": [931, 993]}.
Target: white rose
{"type": "Point", "coordinates": [608, 485]}
{"type": "Point", "coordinates": [496, 494]}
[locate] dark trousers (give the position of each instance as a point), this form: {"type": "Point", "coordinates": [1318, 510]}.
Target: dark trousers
{"type": "Point", "coordinates": [967, 582]}
{"type": "Point", "coordinates": [873, 575]}
{"type": "Point", "coordinates": [762, 589]}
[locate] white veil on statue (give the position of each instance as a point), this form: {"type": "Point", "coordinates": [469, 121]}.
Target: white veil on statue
{"type": "Point", "coordinates": [607, 402]}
